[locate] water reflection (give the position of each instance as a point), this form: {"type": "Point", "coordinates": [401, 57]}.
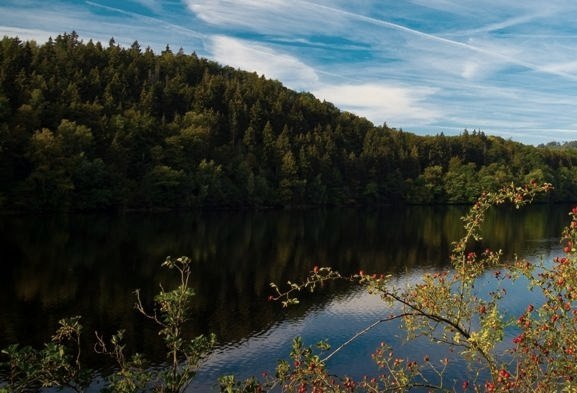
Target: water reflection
{"type": "Point", "coordinates": [57, 266]}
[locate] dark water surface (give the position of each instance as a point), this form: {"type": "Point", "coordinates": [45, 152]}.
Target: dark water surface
{"type": "Point", "coordinates": [89, 265]}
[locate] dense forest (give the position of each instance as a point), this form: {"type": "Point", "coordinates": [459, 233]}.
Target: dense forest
{"type": "Point", "coordinates": [85, 126]}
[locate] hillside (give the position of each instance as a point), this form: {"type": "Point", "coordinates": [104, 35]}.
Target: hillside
{"type": "Point", "coordinates": [88, 127]}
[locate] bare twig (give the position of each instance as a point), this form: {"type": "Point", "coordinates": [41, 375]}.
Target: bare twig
{"type": "Point", "coordinates": [364, 331]}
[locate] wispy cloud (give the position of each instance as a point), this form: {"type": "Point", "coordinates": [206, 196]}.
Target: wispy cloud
{"type": "Point", "coordinates": [93, 20]}
{"type": "Point", "coordinates": [306, 17]}
{"type": "Point", "coordinates": [46, 21]}
{"type": "Point", "coordinates": [274, 17]}
{"type": "Point", "coordinates": [26, 34]}
{"type": "Point", "coordinates": [153, 5]}
{"type": "Point", "coordinates": [500, 25]}
{"type": "Point", "coordinates": [143, 22]}
{"type": "Point", "coordinates": [263, 60]}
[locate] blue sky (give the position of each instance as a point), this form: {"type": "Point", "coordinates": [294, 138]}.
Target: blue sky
{"type": "Point", "coordinates": [508, 68]}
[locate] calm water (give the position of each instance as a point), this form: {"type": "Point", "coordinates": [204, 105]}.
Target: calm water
{"type": "Point", "coordinates": [58, 266]}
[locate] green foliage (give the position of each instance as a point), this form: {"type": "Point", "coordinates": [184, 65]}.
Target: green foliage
{"type": "Point", "coordinates": [57, 364]}
{"type": "Point", "coordinates": [182, 355]}
{"type": "Point", "coordinates": [163, 186]}
{"type": "Point", "coordinates": [132, 374]}
{"type": "Point", "coordinates": [143, 123]}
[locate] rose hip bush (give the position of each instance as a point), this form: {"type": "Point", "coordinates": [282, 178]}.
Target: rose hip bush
{"type": "Point", "coordinates": [460, 317]}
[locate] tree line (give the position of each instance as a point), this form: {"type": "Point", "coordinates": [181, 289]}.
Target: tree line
{"type": "Point", "coordinates": [85, 126]}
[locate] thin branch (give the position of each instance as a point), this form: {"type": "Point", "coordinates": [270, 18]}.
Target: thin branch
{"type": "Point", "coordinates": [364, 331]}
{"type": "Point", "coordinates": [140, 308]}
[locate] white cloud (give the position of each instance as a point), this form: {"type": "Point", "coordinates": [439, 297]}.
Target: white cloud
{"type": "Point", "coordinates": [470, 69]}
{"type": "Point", "coordinates": [251, 56]}
{"type": "Point", "coordinates": [382, 103]}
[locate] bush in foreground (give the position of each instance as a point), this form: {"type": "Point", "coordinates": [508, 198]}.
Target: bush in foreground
{"type": "Point", "coordinates": [459, 317]}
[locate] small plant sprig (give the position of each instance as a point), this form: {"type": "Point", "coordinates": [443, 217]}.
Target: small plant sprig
{"type": "Point", "coordinates": [400, 375]}
{"type": "Point", "coordinates": [317, 277]}
{"type": "Point", "coordinates": [183, 355]}
{"type": "Point", "coordinates": [132, 374]}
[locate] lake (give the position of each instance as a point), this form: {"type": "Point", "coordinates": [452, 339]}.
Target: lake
{"type": "Point", "coordinates": [90, 265]}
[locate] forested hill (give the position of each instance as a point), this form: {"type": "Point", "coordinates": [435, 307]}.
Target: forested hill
{"type": "Point", "coordinates": [89, 126]}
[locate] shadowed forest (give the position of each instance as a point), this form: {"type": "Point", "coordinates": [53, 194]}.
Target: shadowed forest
{"type": "Point", "coordinates": [90, 127]}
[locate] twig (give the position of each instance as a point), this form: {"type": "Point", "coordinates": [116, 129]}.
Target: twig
{"type": "Point", "coordinates": [364, 331]}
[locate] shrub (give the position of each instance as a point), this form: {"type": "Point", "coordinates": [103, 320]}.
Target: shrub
{"type": "Point", "coordinates": [58, 363]}
{"type": "Point", "coordinates": [452, 311]}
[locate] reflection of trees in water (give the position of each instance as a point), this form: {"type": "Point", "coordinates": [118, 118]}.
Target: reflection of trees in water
{"type": "Point", "coordinates": [89, 265]}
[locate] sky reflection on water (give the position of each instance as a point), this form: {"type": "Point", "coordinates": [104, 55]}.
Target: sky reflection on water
{"type": "Point", "coordinates": [348, 313]}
